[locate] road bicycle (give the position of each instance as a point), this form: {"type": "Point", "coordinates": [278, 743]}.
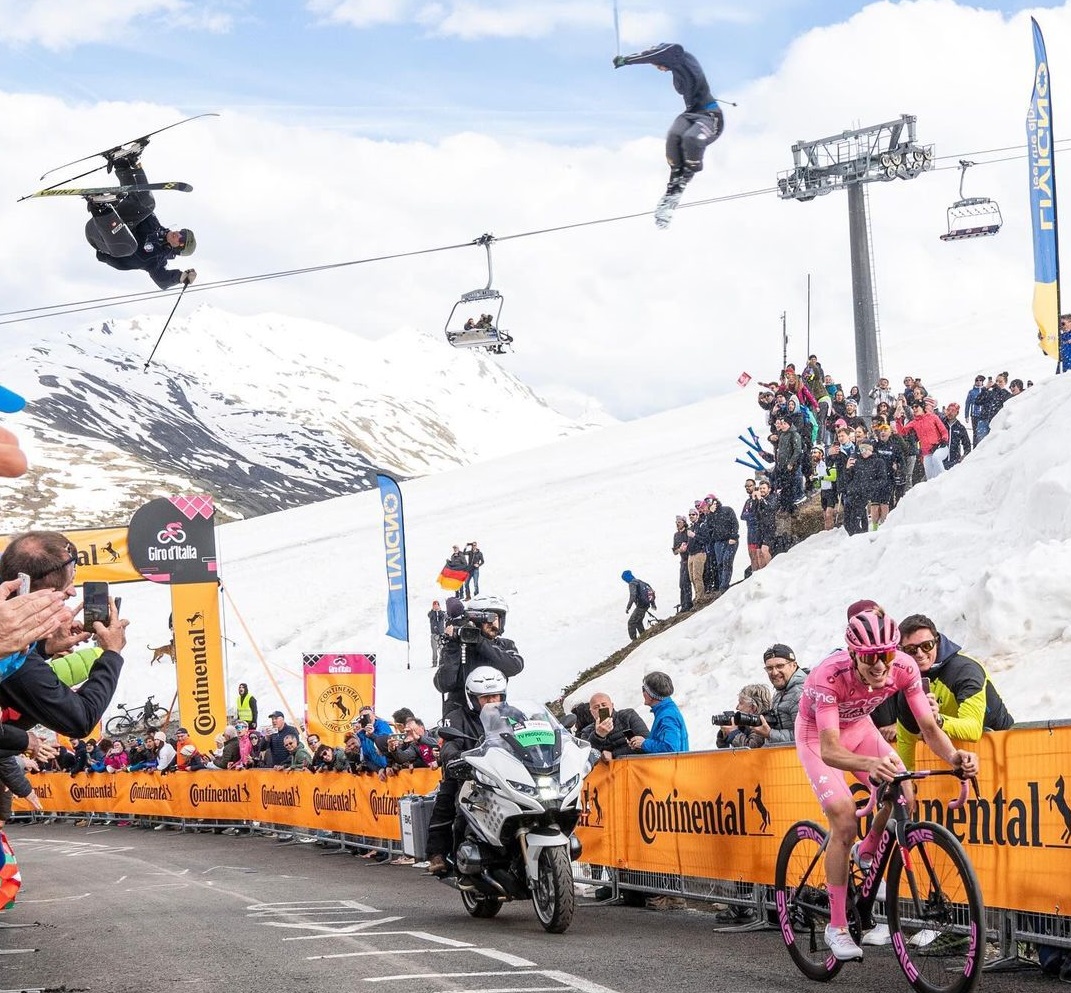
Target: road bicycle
{"type": "Point", "coordinates": [147, 717]}
{"type": "Point", "coordinates": [932, 897]}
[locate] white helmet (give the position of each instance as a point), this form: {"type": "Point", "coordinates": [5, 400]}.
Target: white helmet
{"type": "Point", "coordinates": [484, 604]}
{"type": "Point", "coordinates": [483, 681]}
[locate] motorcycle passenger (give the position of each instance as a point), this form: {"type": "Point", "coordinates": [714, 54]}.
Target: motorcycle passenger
{"type": "Point", "coordinates": [476, 641]}
{"type": "Point", "coordinates": [483, 686]}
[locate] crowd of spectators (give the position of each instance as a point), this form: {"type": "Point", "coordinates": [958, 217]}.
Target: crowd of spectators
{"type": "Point", "coordinates": [821, 443]}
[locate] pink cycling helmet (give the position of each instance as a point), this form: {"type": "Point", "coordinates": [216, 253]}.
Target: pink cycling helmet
{"type": "Point", "coordinates": [872, 631]}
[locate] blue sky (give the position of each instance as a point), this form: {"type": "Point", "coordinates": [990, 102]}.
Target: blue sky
{"type": "Point", "coordinates": [406, 68]}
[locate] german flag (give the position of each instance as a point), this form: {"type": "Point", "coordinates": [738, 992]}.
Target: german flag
{"type": "Point", "coordinates": [452, 579]}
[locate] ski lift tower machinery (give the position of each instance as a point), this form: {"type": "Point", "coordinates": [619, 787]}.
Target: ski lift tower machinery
{"type": "Point", "coordinates": [880, 153]}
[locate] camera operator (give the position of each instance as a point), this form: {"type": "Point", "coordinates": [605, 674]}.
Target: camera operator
{"type": "Point", "coordinates": [778, 725]}
{"type": "Point", "coordinates": [738, 730]}
{"type": "Point", "coordinates": [474, 639]}
{"type": "Point", "coordinates": [31, 687]}
{"type": "Point", "coordinates": [613, 729]}
{"type": "Point", "coordinates": [369, 728]}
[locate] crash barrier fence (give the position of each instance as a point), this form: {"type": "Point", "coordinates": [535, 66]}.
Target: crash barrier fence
{"type": "Point", "coordinates": [702, 825]}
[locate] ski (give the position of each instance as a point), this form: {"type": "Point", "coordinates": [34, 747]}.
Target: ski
{"type": "Point", "coordinates": [87, 191]}
{"type": "Point", "coordinates": [115, 148]}
{"type": "Point", "coordinates": [10, 402]}
{"type": "Point", "coordinates": [663, 212]}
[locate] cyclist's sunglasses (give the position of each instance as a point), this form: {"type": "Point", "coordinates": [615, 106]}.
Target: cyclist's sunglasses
{"type": "Point", "coordinates": [922, 646]}
{"type": "Point", "coordinates": [873, 658]}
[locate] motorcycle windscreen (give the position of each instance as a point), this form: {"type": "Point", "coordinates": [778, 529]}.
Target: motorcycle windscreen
{"type": "Point", "coordinates": [527, 728]}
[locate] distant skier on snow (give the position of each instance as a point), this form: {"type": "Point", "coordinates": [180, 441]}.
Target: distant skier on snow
{"type": "Point", "coordinates": [124, 230]}
{"type": "Point", "coordinates": [700, 125]}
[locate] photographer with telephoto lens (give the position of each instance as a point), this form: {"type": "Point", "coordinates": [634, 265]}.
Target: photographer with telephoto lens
{"type": "Point", "coordinates": [738, 729]}
{"type": "Point", "coordinates": [474, 639]}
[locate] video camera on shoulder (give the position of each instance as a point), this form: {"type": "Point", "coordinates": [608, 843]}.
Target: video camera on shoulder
{"type": "Point", "coordinates": [737, 717]}
{"type": "Point", "coordinates": [469, 632]}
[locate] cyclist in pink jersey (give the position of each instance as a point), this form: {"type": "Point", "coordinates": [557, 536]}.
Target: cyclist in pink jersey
{"type": "Point", "coordinates": [834, 734]}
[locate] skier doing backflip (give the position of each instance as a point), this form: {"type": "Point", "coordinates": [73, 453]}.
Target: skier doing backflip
{"type": "Point", "coordinates": [689, 135]}
{"type": "Point", "coordinates": [124, 230]}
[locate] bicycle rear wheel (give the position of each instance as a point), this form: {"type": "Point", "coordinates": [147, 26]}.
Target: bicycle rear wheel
{"type": "Point", "coordinates": [158, 714]}
{"type": "Point", "coordinates": [803, 901]}
{"type": "Point", "coordinates": [935, 910]}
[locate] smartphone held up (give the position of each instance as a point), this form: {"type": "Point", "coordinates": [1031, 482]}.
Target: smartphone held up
{"type": "Point", "coordinates": [95, 603]}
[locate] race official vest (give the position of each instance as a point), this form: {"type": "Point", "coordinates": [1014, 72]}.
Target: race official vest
{"type": "Point", "coordinates": [244, 711]}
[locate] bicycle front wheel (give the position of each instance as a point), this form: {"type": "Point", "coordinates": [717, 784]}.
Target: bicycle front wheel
{"type": "Point", "coordinates": [935, 910]}
{"type": "Point", "coordinates": [120, 724]}
{"type": "Point", "coordinates": [158, 714]}
{"type": "Point", "coordinates": [803, 900]}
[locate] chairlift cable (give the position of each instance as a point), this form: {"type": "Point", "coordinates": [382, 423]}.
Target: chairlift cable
{"type": "Point", "coordinates": [99, 303]}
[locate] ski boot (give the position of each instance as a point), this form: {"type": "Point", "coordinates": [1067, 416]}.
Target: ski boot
{"type": "Point", "coordinates": [129, 155]}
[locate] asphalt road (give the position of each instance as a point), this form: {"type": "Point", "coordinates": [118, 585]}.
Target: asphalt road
{"type": "Point", "coordinates": [121, 910]}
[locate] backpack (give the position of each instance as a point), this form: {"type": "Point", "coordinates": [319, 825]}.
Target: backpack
{"type": "Point", "coordinates": [645, 594]}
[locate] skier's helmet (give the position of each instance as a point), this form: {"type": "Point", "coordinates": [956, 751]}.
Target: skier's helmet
{"type": "Point", "coordinates": [480, 608]}
{"type": "Point", "coordinates": [189, 242]}
{"type": "Point", "coordinates": [484, 680]}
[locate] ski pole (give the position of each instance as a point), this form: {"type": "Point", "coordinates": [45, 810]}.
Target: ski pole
{"type": "Point", "coordinates": [185, 286]}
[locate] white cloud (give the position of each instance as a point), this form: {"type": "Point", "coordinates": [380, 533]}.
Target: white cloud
{"type": "Point", "coordinates": [64, 24]}
{"type": "Point", "coordinates": [639, 318]}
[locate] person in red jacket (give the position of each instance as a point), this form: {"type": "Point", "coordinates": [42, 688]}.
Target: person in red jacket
{"type": "Point", "coordinates": [931, 433]}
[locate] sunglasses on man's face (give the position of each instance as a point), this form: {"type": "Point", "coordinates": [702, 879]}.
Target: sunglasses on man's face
{"type": "Point", "coordinates": [921, 646]}
{"type": "Point", "coordinates": [874, 658]}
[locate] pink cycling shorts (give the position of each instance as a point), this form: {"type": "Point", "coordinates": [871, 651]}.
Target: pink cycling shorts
{"type": "Point", "coordinates": [829, 784]}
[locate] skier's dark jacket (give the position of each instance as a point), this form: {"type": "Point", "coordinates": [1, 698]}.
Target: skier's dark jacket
{"type": "Point", "coordinates": [152, 254]}
{"type": "Point", "coordinates": [500, 654]}
{"type": "Point", "coordinates": [688, 78]}
{"type": "Point", "coordinates": [36, 693]}
{"type": "Point", "coordinates": [723, 525]}
{"type": "Point", "coordinates": [967, 700]}
{"type": "Point", "coordinates": [698, 536]}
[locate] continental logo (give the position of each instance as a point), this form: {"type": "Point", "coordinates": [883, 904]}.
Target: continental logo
{"type": "Point", "coordinates": [336, 706]}
{"type": "Point", "coordinates": [44, 791]}
{"type": "Point", "coordinates": [105, 791]}
{"type": "Point", "coordinates": [1015, 819]}
{"type": "Point", "coordinates": [271, 797]}
{"type": "Point", "coordinates": [236, 793]}
{"type": "Point", "coordinates": [150, 791]}
{"type": "Point", "coordinates": [205, 721]}
{"type": "Point", "coordinates": [383, 806]}
{"type": "Point", "coordinates": [345, 800]}
{"type": "Point", "coordinates": [591, 815]}
{"type": "Point", "coordinates": [719, 815]}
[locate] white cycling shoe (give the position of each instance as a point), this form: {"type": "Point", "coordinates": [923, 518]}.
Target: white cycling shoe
{"type": "Point", "coordinates": [878, 935]}
{"type": "Point", "coordinates": [839, 941]}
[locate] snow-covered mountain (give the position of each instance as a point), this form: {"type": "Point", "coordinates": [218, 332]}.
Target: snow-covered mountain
{"type": "Point", "coordinates": [267, 413]}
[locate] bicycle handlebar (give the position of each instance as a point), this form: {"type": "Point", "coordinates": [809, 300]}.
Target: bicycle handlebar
{"type": "Point", "coordinates": [879, 790]}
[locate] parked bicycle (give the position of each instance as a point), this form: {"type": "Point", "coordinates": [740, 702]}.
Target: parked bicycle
{"type": "Point", "coordinates": [148, 717]}
{"type": "Point", "coordinates": [932, 897]}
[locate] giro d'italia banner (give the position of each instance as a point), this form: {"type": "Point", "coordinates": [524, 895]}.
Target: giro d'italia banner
{"type": "Point", "coordinates": [173, 541]}
{"type": "Point", "coordinates": [336, 688]}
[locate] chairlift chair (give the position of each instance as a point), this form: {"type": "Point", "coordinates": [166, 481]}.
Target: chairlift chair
{"type": "Point", "coordinates": [971, 217]}
{"type": "Point", "coordinates": [489, 337]}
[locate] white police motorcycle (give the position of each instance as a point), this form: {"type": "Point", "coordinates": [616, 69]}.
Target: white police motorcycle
{"type": "Point", "coordinates": [517, 808]}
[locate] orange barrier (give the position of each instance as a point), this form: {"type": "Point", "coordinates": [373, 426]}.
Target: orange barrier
{"type": "Point", "coordinates": [711, 815]}
{"type": "Point", "coordinates": [721, 815]}
{"type": "Point", "coordinates": [333, 801]}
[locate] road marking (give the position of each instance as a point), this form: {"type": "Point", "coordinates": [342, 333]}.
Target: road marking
{"type": "Point", "coordinates": [236, 868]}
{"type": "Point", "coordinates": [16, 951]}
{"type": "Point", "coordinates": [307, 907]}
{"type": "Point", "coordinates": [56, 899]}
{"type": "Point", "coordinates": [575, 982]}
{"type": "Point", "coordinates": [119, 880]}
{"type": "Point", "coordinates": [492, 953]}
{"type": "Point", "coordinates": [157, 886]}
{"type": "Point", "coordinates": [330, 929]}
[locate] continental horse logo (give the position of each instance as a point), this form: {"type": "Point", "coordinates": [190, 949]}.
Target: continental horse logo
{"type": "Point", "coordinates": [725, 814]}
{"type": "Point", "coordinates": [336, 706]}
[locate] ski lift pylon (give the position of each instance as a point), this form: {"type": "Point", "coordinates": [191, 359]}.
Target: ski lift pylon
{"type": "Point", "coordinates": [485, 333]}
{"type": "Point", "coordinates": [971, 217]}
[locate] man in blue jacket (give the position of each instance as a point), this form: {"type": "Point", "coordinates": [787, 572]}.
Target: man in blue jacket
{"type": "Point", "coordinates": [668, 732]}
{"type": "Point", "coordinates": [691, 132]}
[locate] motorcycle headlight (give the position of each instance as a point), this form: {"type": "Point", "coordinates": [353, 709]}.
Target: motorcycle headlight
{"type": "Point", "coordinates": [524, 788]}
{"type": "Point", "coordinates": [570, 785]}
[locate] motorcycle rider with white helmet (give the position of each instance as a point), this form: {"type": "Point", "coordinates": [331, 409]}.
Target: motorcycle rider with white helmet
{"type": "Point", "coordinates": [484, 685]}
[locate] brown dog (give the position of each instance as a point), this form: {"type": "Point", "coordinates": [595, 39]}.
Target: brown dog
{"type": "Point", "coordinates": [163, 652]}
